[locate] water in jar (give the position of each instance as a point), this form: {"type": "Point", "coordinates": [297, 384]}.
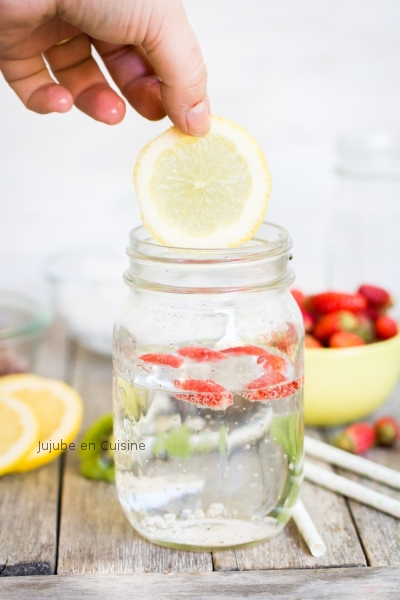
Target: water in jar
{"type": "Point", "coordinates": [208, 447]}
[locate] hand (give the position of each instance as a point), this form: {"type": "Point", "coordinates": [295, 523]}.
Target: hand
{"type": "Point", "coordinates": [147, 46]}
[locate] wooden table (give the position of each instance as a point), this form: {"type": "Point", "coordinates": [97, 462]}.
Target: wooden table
{"type": "Point", "coordinates": [69, 538]}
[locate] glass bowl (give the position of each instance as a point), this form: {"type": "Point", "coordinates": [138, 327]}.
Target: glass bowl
{"type": "Point", "coordinates": [22, 325]}
{"type": "Point", "coordinates": [88, 292]}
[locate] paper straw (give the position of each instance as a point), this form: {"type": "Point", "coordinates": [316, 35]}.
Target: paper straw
{"type": "Point", "coordinates": [308, 530]}
{"type": "Point", "coordinates": [348, 488]}
{"type": "Point", "coordinates": [364, 467]}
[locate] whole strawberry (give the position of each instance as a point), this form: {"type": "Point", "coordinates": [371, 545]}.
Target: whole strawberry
{"type": "Point", "coordinates": [385, 327]}
{"type": "Point", "coordinates": [341, 320]}
{"type": "Point", "coordinates": [299, 297]}
{"type": "Point", "coordinates": [356, 438]}
{"type": "Point", "coordinates": [387, 431]}
{"type": "Point", "coordinates": [376, 297]}
{"type": "Point", "coordinates": [311, 342]}
{"type": "Point", "coordinates": [345, 339]}
{"type": "Point", "coordinates": [328, 302]}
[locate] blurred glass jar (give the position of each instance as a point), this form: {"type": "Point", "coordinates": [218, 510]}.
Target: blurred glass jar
{"type": "Point", "coordinates": [208, 364]}
{"type": "Point", "coordinates": [364, 245]}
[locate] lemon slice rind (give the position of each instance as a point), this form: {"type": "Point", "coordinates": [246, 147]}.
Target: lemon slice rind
{"type": "Point", "coordinates": [254, 205]}
{"type": "Point", "coordinates": [68, 426]}
{"type": "Point", "coordinates": [26, 441]}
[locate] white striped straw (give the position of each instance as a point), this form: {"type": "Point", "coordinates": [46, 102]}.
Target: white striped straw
{"type": "Point", "coordinates": [351, 489]}
{"type": "Point", "coordinates": [308, 530]}
{"type": "Point", "coordinates": [364, 467]}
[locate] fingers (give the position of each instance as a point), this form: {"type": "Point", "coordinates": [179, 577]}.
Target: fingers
{"type": "Point", "coordinates": [75, 68]}
{"type": "Point", "coordinates": [135, 77]}
{"type": "Point", "coordinates": [31, 81]}
{"type": "Point", "coordinates": [174, 52]}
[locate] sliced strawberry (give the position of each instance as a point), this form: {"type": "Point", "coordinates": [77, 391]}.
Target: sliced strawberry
{"type": "Point", "coordinates": [328, 302]}
{"type": "Point", "coordinates": [272, 362]}
{"type": "Point", "coordinates": [168, 360]}
{"type": "Point", "coordinates": [251, 350]}
{"type": "Point", "coordinates": [201, 354]}
{"type": "Point", "coordinates": [385, 327]}
{"type": "Point", "coordinates": [261, 390]}
{"type": "Point", "coordinates": [208, 393]}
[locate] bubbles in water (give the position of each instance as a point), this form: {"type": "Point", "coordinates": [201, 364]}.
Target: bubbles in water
{"type": "Point", "coordinates": [256, 475]}
{"type": "Point", "coordinates": [247, 446]}
{"type": "Point", "coordinates": [240, 467]}
{"type": "Point", "coordinates": [291, 466]}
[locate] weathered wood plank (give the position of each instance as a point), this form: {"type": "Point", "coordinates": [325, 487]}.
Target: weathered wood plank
{"type": "Point", "coordinates": [29, 501]}
{"type": "Point", "coordinates": [289, 551]}
{"type": "Point", "coordinates": [379, 533]}
{"type": "Point", "coordinates": [95, 536]}
{"type": "Point", "coordinates": [323, 584]}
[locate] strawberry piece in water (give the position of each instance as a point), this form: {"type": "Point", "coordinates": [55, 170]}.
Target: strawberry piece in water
{"type": "Point", "coordinates": [272, 362]}
{"type": "Point", "coordinates": [201, 354]}
{"type": "Point", "coordinates": [328, 302]}
{"type": "Point", "coordinates": [209, 394]}
{"type": "Point", "coordinates": [168, 360]}
{"type": "Point", "coordinates": [270, 388]}
{"type": "Point", "coordinates": [250, 350]}
{"type": "Point", "coordinates": [385, 327]}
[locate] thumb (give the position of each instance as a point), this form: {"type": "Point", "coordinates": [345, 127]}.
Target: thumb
{"type": "Point", "coordinates": [175, 54]}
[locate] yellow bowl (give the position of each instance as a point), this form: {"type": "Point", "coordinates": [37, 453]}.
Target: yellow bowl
{"type": "Point", "coordinates": [345, 384]}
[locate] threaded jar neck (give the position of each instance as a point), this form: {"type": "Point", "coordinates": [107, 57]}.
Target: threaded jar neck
{"type": "Point", "coordinates": [261, 263]}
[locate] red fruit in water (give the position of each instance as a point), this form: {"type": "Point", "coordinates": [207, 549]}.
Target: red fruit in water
{"type": "Point", "coordinates": [387, 431]}
{"type": "Point", "coordinates": [345, 339]}
{"type": "Point", "coordinates": [357, 438]}
{"type": "Point", "coordinates": [385, 327]}
{"type": "Point", "coordinates": [168, 360]}
{"type": "Point", "coordinates": [201, 354]}
{"type": "Point", "coordinates": [251, 350]}
{"type": "Point", "coordinates": [272, 362]}
{"type": "Point", "coordinates": [270, 387]}
{"type": "Point", "coordinates": [328, 302]}
{"type": "Point", "coordinates": [311, 342]}
{"type": "Point", "coordinates": [308, 321]}
{"type": "Point", "coordinates": [341, 320]}
{"type": "Point", "coordinates": [299, 297]}
{"type": "Point", "coordinates": [208, 393]}
{"type": "Point", "coordinates": [376, 297]}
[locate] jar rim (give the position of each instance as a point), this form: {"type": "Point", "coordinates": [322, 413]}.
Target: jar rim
{"type": "Point", "coordinates": [269, 240]}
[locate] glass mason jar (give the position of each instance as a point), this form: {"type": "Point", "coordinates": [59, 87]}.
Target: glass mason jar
{"type": "Point", "coordinates": [364, 237]}
{"type": "Point", "coordinates": [208, 363]}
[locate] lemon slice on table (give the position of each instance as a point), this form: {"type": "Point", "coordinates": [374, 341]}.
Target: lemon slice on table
{"type": "Point", "coordinates": [57, 409]}
{"type": "Point", "coordinates": [18, 432]}
{"type": "Point", "coordinates": [209, 192]}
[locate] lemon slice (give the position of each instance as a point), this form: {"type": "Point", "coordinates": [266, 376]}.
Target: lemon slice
{"type": "Point", "coordinates": [18, 432]}
{"type": "Point", "coordinates": [57, 409]}
{"type": "Point", "coordinates": [209, 192]}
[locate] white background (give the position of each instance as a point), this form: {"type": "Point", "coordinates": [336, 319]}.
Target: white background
{"type": "Point", "coordinates": [294, 73]}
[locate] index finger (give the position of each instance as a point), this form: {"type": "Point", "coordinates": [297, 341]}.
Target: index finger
{"type": "Point", "coordinates": [174, 51]}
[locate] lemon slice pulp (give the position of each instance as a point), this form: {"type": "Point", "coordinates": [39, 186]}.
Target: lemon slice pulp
{"type": "Point", "coordinates": [209, 192]}
{"type": "Point", "coordinates": [56, 408]}
{"type": "Point", "coordinates": [18, 432]}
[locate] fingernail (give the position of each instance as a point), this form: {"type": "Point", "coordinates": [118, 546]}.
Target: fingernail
{"type": "Point", "coordinates": [198, 119]}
